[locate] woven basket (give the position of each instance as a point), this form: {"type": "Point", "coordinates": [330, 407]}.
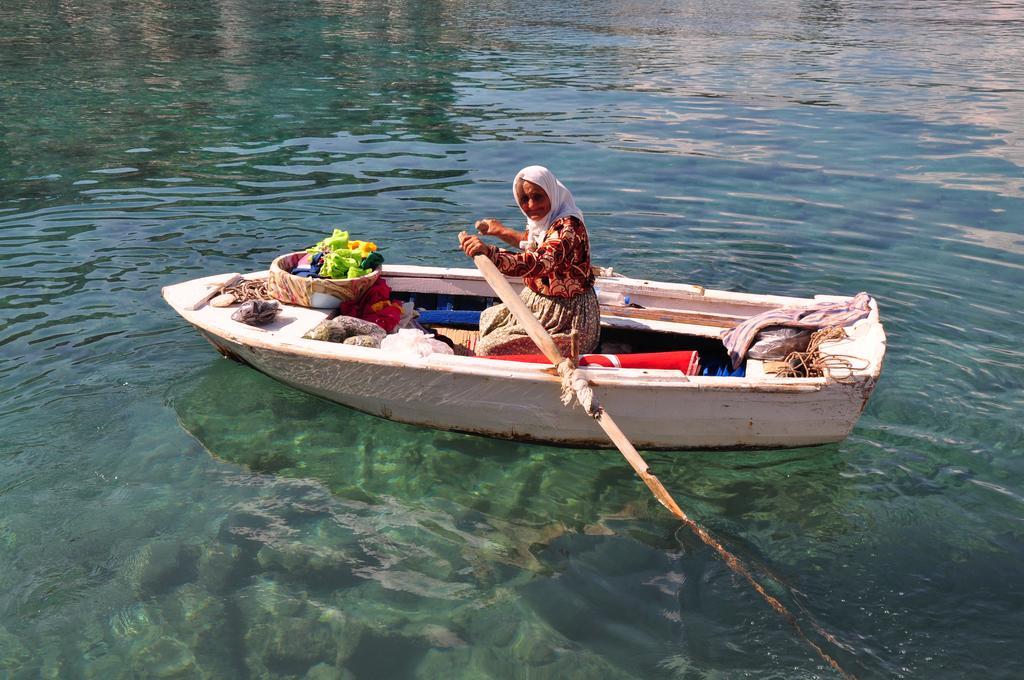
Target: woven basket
{"type": "Point", "coordinates": [306, 291]}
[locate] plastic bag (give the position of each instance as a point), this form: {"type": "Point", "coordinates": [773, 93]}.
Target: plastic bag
{"type": "Point", "coordinates": [777, 342]}
{"type": "Point", "coordinates": [415, 343]}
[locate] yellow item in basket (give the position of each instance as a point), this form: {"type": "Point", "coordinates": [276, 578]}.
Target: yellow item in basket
{"type": "Point", "coordinates": [363, 247]}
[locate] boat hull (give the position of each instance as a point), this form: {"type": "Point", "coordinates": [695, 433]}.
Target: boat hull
{"type": "Point", "coordinates": [655, 415]}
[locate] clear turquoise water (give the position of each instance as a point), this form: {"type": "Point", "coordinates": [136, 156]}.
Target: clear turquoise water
{"type": "Point", "coordinates": [165, 513]}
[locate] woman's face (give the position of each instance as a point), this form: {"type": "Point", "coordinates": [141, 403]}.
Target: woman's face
{"type": "Point", "coordinates": [534, 202]}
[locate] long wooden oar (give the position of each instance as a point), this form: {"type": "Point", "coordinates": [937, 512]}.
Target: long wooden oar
{"type": "Point", "coordinates": [547, 345]}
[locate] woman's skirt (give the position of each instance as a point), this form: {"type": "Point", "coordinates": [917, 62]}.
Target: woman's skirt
{"type": "Point", "coordinates": [500, 332]}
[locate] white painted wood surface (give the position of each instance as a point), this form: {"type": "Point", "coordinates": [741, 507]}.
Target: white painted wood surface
{"type": "Point", "coordinates": [656, 409]}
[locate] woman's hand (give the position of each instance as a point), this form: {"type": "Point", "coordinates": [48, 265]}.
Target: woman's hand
{"type": "Point", "coordinates": [490, 227]}
{"type": "Point", "coordinates": [473, 246]}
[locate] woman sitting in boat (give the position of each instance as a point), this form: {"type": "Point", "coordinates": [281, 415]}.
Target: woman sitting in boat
{"type": "Point", "coordinates": [554, 264]}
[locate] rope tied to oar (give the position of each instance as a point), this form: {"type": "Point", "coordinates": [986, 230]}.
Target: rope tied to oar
{"type": "Point", "coordinates": [575, 386]}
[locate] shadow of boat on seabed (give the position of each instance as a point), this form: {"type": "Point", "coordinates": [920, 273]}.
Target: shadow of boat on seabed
{"type": "Point", "coordinates": [243, 417]}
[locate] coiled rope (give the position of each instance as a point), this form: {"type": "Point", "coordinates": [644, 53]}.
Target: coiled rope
{"type": "Point", "coordinates": [812, 363]}
{"type": "Point", "coordinates": [248, 290]}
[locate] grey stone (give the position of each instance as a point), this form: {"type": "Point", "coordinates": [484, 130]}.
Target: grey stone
{"type": "Point", "coordinates": [162, 656]}
{"type": "Point", "coordinates": [340, 328]}
{"type": "Point", "coordinates": [218, 566]}
{"type": "Point", "coordinates": [294, 633]}
{"type": "Point", "coordinates": [362, 341]}
{"type": "Point", "coordinates": [161, 566]}
{"type": "Point", "coordinates": [200, 620]}
{"type": "Point", "coordinates": [289, 642]}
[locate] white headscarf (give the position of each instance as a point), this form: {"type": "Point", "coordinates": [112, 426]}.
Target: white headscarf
{"type": "Point", "coordinates": [562, 203]}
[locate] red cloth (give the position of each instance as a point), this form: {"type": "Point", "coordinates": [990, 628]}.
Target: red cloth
{"type": "Point", "coordinates": [686, 361]}
{"type": "Point", "coordinates": [376, 306]}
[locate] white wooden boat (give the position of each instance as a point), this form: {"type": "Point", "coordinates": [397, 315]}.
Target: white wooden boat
{"type": "Point", "coordinates": [656, 409]}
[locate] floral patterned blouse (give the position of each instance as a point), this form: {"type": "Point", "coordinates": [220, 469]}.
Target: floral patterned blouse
{"type": "Point", "coordinates": [559, 267]}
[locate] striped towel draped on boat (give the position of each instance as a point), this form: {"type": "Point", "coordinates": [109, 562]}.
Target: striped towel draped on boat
{"type": "Point", "coordinates": [822, 315]}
